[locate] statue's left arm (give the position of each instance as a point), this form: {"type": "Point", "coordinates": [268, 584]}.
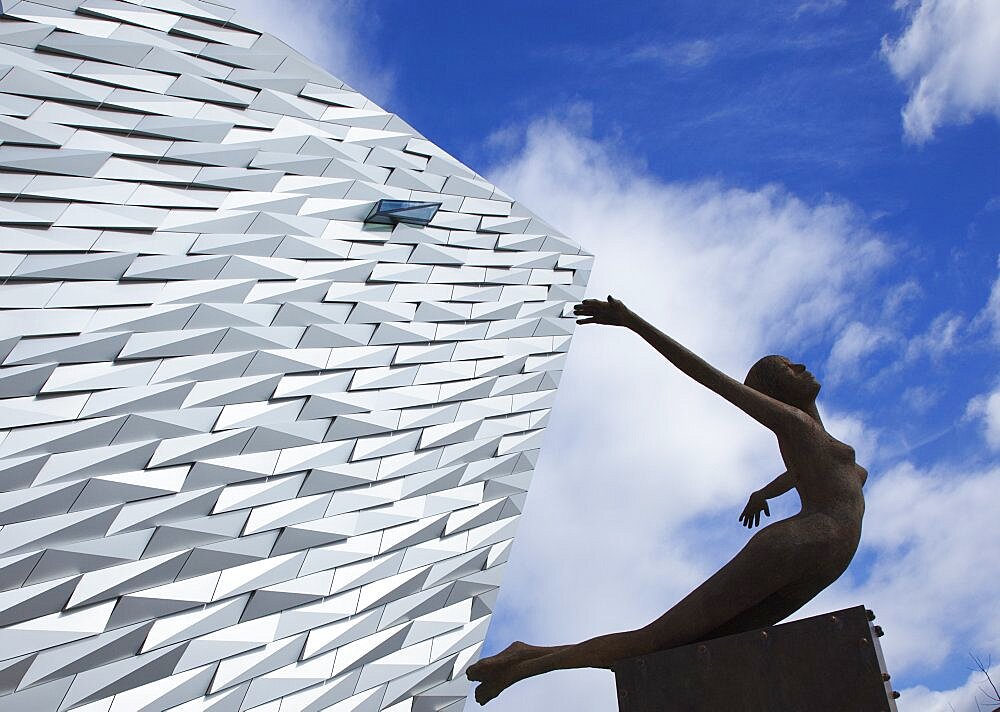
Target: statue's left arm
{"type": "Point", "coordinates": [757, 504]}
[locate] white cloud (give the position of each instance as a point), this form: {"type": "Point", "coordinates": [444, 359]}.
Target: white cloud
{"type": "Point", "coordinates": [899, 297]}
{"type": "Point", "coordinates": [949, 57]}
{"type": "Point", "coordinates": [987, 408]}
{"type": "Point", "coordinates": [933, 581]}
{"type": "Point", "coordinates": [331, 33]}
{"type": "Point", "coordinates": [976, 695]}
{"type": "Point", "coordinates": [691, 53]}
{"type": "Point", "coordinates": [856, 342]}
{"type": "Point", "coordinates": [940, 339]}
{"type": "Point", "coordinates": [990, 315]}
{"type": "Point", "coordinates": [920, 399]}
{"type": "Point", "coordinates": [636, 452]}
{"type": "Point", "coordinates": [819, 7]}
{"type": "Point", "coordinates": [851, 354]}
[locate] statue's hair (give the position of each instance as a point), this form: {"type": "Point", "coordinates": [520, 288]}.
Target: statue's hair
{"type": "Point", "coordinates": [766, 376]}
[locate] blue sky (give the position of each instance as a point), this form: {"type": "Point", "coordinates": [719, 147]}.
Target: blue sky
{"type": "Point", "coordinates": [748, 94]}
{"type": "Point", "coordinates": [820, 178]}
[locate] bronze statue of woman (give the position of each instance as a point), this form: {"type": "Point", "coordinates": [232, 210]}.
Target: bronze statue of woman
{"type": "Point", "coordinates": [780, 569]}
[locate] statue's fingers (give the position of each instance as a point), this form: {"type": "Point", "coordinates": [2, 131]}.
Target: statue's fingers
{"type": "Point", "coordinates": [591, 320]}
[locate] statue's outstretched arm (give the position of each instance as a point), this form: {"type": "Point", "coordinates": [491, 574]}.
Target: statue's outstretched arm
{"type": "Point", "coordinates": [771, 413]}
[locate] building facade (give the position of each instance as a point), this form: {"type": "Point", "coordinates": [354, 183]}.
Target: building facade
{"type": "Point", "coordinates": [274, 372]}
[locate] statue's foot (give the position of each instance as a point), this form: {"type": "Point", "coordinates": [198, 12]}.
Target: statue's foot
{"type": "Point", "coordinates": [514, 653]}
{"type": "Point", "coordinates": [502, 670]}
{"type": "Point", "coordinates": [493, 687]}
{"type": "Point", "coordinates": [486, 692]}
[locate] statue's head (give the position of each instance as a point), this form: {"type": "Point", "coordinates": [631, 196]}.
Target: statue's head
{"type": "Point", "coordinates": [783, 380]}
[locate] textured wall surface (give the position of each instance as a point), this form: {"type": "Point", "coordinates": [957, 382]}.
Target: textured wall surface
{"type": "Point", "coordinates": [256, 453]}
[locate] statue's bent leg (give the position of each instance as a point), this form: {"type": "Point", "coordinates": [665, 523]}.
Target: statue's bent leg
{"type": "Point", "coordinates": [773, 609]}
{"type": "Point", "coordinates": [771, 561]}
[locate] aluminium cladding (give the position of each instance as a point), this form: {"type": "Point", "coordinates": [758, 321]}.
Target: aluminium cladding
{"type": "Point", "coordinates": [256, 453]}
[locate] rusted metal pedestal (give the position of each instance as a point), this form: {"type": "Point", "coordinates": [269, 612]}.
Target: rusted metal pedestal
{"type": "Point", "coordinates": [828, 663]}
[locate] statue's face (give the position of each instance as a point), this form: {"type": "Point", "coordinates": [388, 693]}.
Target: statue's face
{"type": "Point", "coordinates": [784, 380]}
{"type": "Point", "coordinates": [797, 385]}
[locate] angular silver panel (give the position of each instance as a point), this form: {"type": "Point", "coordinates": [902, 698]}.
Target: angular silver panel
{"type": "Point", "coordinates": [255, 453]}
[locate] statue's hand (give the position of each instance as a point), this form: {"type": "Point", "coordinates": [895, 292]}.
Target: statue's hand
{"type": "Point", "coordinates": [596, 311]}
{"type": "Point", "coordinates": [750, 517]}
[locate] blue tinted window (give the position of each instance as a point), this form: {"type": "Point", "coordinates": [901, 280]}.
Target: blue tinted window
{"type": "Point", "coordinates": [392, 212]}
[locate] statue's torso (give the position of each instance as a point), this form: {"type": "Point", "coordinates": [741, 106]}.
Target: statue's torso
{"type": "Point", "coordinates": [829, 483]}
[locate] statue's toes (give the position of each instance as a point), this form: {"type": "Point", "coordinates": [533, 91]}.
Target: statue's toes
{"type": "Point", "coordinates": [486, 692]}
{"type": "Point", "coordinates": [473, 672]}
